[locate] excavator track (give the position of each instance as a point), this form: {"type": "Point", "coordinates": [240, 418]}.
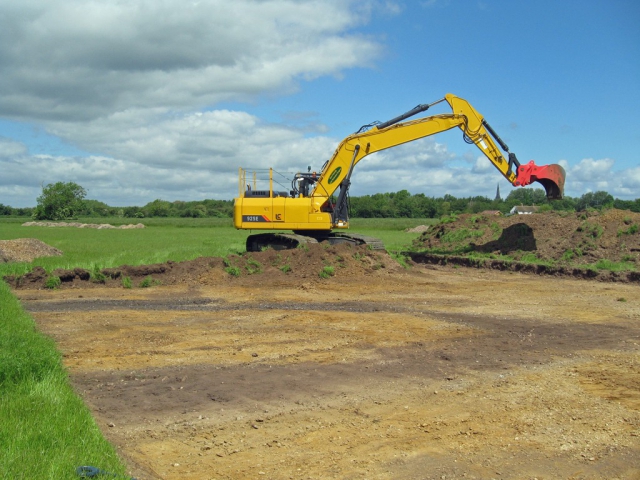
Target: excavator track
{"type": "Point", "coordinates": [285, 241]}
{"type": "Point", "coordinates": [371, 242]}
{"type": "Point", "coordinates": [277, 241]}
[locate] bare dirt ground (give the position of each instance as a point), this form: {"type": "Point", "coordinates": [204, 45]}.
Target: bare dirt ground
{"type": "Point", "coordinates": [376, 372]}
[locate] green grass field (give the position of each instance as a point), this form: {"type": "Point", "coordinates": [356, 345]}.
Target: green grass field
{"type": "Point", "coordinates": [45, 429]}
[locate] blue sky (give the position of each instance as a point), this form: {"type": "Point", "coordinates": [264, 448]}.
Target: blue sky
{"type": "Point", "coordinates": [147, 100]}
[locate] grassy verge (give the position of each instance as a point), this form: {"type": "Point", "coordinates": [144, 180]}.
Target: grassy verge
{"type": "Point", "coordinates": [45, 429]}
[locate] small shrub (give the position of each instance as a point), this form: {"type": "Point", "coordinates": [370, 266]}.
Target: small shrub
{"type": "Point", "coordinates": [461, 234]}
{"type": "Point", "coordinates": [52, 282]}
{"type": "Point", "coordinates": [568, 255]}
{"type": "Point", "coordinates": [529, 258]}
{"type": "Point", "coordinates": [327, 271]}
{"type": "Point", "coordinates": [496, 229]}
{"type": "Point", "coordinates": [592, 229]}
{"type": "Point", "coordinates": [604, 264]}
{"type": "Point", "coordinates": [629, 231]}
{"type": "Point", "coordinates": [126, 282]}
{"type": "Point", "coordinates": [449, 218]}
{"type": "Point", "coordinates": [233, 271]}
{"type": "Point", "coordinates": [253, 266]}
{"type": "Point", "coordinates": [403, 260]}
{"type": "Point", "coordinates": [148, 281]}
{"type": "Point", "coordinates": [96, 276]}
{"type": "Point", "coordinates": [285, 268]}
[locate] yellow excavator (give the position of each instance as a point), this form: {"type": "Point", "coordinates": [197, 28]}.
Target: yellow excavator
{"type": "Point", "coordinates": [311, 212]}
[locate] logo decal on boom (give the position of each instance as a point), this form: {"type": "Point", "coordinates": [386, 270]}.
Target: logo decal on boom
{"type": "Point", "coordinates": [334, 175]}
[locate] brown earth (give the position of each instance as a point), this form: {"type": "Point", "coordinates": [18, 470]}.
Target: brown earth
{"type": "Point", "coordinates": [564, 238]}
{"type": "Point", "coordinates": [25, 250]}
{"type": "Point", "coordinates": [375, 372]}
{"type": "Point", "coordinates": [256, 367]}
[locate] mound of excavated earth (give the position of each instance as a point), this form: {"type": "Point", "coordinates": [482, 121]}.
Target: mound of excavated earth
{"type": "Point", "coordinates": [316, 262]}
{"type": "Point", "coordinates": [25, 250]}
{"type": "Point", "coordinates": [98, 226]}
{"type": "Point", "coordinates": [564, 241]}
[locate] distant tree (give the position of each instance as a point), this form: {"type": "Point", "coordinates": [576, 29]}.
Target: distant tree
{"type": "Point", "coordinates": [566, 204]}
{"type": "Point", "coordinates": [157, 208]}
{"type": "Point", "coordinates": [132, 212]}
{"type": "Point", "coordinates": [60, 201]}
{"type": "Point", "coordinates": [526, 196]}
{"type": "Point", "coordinates": [96, 208]}
{"type": "Point", "coordinates": [597, 200]}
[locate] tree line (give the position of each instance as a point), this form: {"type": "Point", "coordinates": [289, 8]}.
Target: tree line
{"type": "Point", "coordinates": [63, 201]}
{"type": "Point", "coordinates": [403, 204]}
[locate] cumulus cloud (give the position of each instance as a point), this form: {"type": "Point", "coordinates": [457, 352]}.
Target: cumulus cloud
{"type": "Point", "coordinates": [80, 60]}
{"type": "Point", "coordinates": [136, 84]}
{"type": "Point", "coordinates": [592, 175]}
{"type": "Point", "coordinates": [10, 149]}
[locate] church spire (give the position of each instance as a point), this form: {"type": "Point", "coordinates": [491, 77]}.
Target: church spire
{"type": "Point", "coordinates": [498, 193]}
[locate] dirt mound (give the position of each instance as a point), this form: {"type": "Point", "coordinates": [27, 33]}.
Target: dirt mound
{"type": "Point", "coordinates": [418, 229]}
{"type": "Point", "coordinates": [98, 226]}
{"type": "Point", "coordinates": [600, 245]}
{"type": "Point", "coordinates": [25, 250]}
{"type": "Point", "coordinates": [319, 262]}
{"type": "Point", "coordinates": [559, 238]}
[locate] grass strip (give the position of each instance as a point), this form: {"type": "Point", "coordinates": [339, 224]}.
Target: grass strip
{"type": "Point", "coordinates": [46, 431]}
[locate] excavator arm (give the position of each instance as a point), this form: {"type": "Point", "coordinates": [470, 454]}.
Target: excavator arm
{"type": "Point", "coordinates": [337, 172]}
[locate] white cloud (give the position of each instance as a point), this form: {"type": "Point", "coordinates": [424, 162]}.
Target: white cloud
{"type": "Point", "coordinates": [10, 149]}
{"type": "Point", "coordinates": [591, 175]}
{"type": "Point", "coordinates": [79, 60]}
{"type": "Point", "coordinates": [135, 82]}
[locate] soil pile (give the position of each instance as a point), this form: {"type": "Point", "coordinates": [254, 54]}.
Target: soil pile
{"type": "Point", "coordinates": [98, 226]}
{"type": "Point", "coordinates": [582, 238]}
{"type": "Point", "coordinates": [316, 262]}
{"type": "Point", "coordinates": [25, 250]}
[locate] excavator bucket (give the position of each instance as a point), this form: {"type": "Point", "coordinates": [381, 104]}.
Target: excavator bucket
{"type": "Point", "coordinates": [550, 176]}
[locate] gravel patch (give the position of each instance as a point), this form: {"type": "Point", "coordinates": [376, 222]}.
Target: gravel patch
{"type": "Point", "coordinates": [25, 250]}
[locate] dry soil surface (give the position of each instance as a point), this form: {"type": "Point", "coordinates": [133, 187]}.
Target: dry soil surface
{"type": "Point", "coordinates": [375, 372]}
